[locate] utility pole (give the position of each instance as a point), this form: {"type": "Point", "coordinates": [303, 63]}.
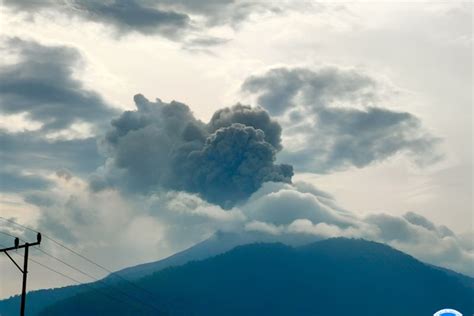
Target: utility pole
{"type": "Point", "coordinates": [24, 271]}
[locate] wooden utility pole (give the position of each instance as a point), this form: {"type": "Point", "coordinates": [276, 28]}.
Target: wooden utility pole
{"type": "Point", "coordinates": [24, 271]}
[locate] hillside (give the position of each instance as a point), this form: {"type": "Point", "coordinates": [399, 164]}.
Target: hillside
{"type": "Point", "coordinates": [39, 299]}
{"type": "Point", "coordinates": [335, 276]}
{"type": "Point", "coordinates": [219, 243]}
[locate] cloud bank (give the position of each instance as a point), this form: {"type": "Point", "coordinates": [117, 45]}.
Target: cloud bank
{"type": "Point", "coordinates": [320, 217]}
{"type": "Point", "coordinates": [332, 122]}
{"type": "Point", "coordinates": [184, 21]}
{"type": "Point", "coordinates": [41, 84]}
{"type": "Point", "coordinates": [122, 16]}
{"type": "Point", "coordinates": [37, 83]}
{"type": "Point", "coordinates": [291, 213]}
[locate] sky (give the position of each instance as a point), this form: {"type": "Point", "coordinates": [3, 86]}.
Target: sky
{"type": "Point", "coordinates": [130, 130]}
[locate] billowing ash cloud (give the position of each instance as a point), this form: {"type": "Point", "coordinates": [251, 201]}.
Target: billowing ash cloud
{"type": "Point", "coordinates": [331, 120]}
{"type": "Point", "coordinates": [246, 115]}
{"type": "Point", "coordinates": [41, 84]}
{"type": "Point", "coordinates": [162, 145]}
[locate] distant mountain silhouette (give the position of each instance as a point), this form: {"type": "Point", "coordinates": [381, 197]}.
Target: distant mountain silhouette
{"type": "Point", "coordinates": [330, 277]}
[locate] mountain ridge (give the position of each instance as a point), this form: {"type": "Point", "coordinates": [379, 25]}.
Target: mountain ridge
{"type": "Point", "coordinates": [213, 247]}
{"type": "Point", "coordinates": [336, 276]}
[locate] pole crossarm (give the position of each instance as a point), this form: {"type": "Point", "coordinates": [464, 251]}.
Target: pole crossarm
{"type": "Point", "coordinates": [24, 271]}
{"type": "Point", "coordinates": [19, 247]}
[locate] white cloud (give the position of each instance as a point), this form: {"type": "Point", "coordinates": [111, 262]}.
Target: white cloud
{"type": "Point", "coordinates": [14, 123]}
{"type": "Point", "coordinates": [286, 211]}
{"type": "Point", "coordinates": [119, 231]}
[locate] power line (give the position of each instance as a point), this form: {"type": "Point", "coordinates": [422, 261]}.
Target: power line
{"type": "Point", "coordinates": [115, 274]}
{"type": "Point", "coordinates": [67, 264]}
{"type": "Point", "coordinates": [51, 269]}
{"type": "Point", "coordinates": [88, 285]}
{"type": "Point", "coordinates": [97, 279]}
{"type": "Point", "coordinates": [24, 271]}
{"type": "Point", "coordinates": [71, 278]}
{"type": "Point", "coordinates": [85, 273]}
{"type": "Point", "coordinates": [7, 234]}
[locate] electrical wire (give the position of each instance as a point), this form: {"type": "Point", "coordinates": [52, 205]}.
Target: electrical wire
{"type": "Point", "coordinates": [87, 274]}
{"type": "Point", "coordinates": [95, 278]}
{"type": "Point", "coordinates": [7, 234]}
{"type": "Point", "coordinates": [70, 278]}
{"type": "Point", "coordinates": [81, 256]}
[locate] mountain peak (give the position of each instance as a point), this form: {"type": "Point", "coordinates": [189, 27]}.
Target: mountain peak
{"type": "Point", "coordinates": [231, 275]}
{"type": "Point", "coordinates": [337, 276]}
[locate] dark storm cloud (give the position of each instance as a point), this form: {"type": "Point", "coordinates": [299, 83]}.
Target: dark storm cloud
{"type": "Point", "coordinates": [122, 15]}
{"type": "Point", "coordinates": [133, 15]}
{"type": "Point", "coordinates": [171, 19]}
{"type": "Point", "coordinates": [162, 145]}
{"type": "Point", "coordinates": [343, 137]}
{"type": "Point", "coordinates": [41, 84]}
{"type": "Point", "coordinates": [230, 12]}
{"type": "Point", "coordinates": [278, 88]}
{"type": "Point", "coordinates": [315, 110]}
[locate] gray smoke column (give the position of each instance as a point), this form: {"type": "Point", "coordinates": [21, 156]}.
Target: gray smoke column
{"type": "Point", "coordinates": [163, 146]}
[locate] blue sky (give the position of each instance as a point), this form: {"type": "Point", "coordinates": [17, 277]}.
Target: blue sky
{"type": "Point", "coordinates": [355, 119]}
